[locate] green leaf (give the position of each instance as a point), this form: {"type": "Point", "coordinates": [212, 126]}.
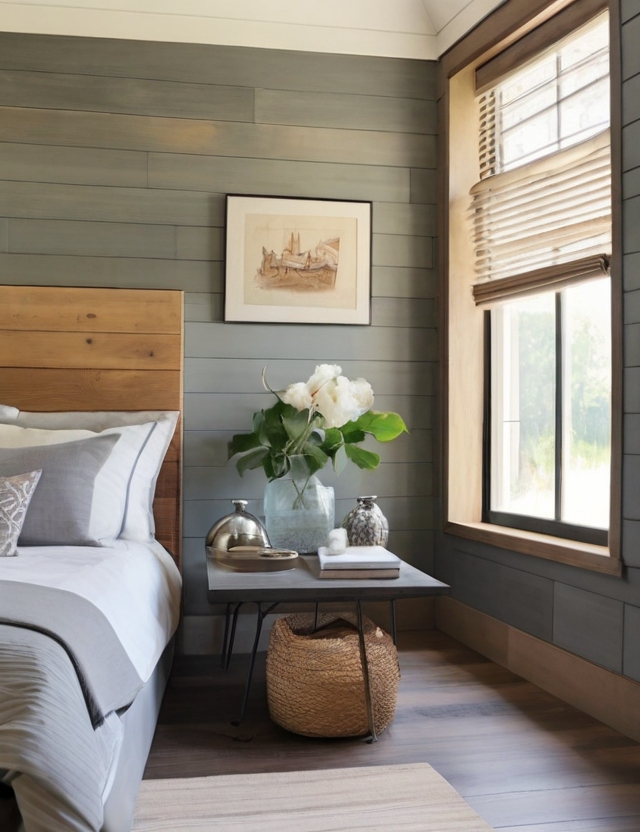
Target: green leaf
{"type": "Point", "coordinates": [332, 440]}
{"type": "Point", "coordinates": [340, 459]}
{"type": "Point", "coordinates": [316, 454]}
{"type": "Point", "coordinates": [241, 443]}
{"type": "Point", "coordinates": [383, 426]}
{"type": "Point", "coordinates": [363, 459]}
{"type": "Point", "coordinates": [259, 427]}
{"type": "Point", "coordinates": [252, 460]}
{"type": "Point", "coordinates": [352, 433]}
{"type": "Point", "coordinates": [296, 424]}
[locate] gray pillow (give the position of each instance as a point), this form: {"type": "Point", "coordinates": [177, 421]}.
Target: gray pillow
{"type": "Point", "coordinates": [15, 495]}
{"type": "Point", "coordinates": [60, 509]}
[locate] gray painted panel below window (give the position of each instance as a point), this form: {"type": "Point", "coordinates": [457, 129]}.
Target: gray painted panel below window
{"type": "Point", "coordinates": [518, 598]}
{"type": "Point", "coordinates": [589, 625]}
{"type": "Point", "coordinates": [631, 650]}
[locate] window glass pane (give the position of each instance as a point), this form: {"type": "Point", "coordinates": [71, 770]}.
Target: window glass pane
{"type": "Point", "coordinates": [586, 442]}
{"type": "Point", "coordinates": [531, 104]}
{"type": "Point", "coordinates": [528, 79]}
{"type": "Point", "coordinates": [558, 100]}
{"type": "Point", "coordinates": [593, 37]}
{"type": "Point", "coordinates": [585, 113]}
{"type": "Point", "coordinates": [523, 407]}
{"type": "Point", "coordinates": [533, 139]}
{"type": "Point", "coordinates": [581, 75]}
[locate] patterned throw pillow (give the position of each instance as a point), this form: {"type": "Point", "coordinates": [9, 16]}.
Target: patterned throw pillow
{"type": "Point", "coordinates": [15, 495]}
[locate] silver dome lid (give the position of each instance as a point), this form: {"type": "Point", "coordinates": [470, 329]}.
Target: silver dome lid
{"type": "Point", "coordinates": [237, 529]}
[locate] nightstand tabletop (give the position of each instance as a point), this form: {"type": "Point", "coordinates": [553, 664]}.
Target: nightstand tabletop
{"type": "Point", "coordinates": [303, 584]}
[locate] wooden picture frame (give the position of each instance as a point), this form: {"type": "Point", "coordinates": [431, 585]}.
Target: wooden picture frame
{"type": "Point", "coordinates": [297, 260]}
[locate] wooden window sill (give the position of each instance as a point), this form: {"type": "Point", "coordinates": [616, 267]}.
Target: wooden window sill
{"type": "Point", "coordinates": [585, 555]}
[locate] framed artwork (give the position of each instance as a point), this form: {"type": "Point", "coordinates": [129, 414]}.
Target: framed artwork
{"type": "Point", "coordinates": [298, 260]}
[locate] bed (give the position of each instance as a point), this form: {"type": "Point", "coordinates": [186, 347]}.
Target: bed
{"type": "Point", "coordinates": [90, 459]}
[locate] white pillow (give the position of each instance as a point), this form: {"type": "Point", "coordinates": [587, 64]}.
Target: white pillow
{"type": "Point", "coordinates": [113, 482]}
{"type": "Point", "coordinates": [138, 523]}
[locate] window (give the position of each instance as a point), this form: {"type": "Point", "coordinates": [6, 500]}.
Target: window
{"type": "Point", "coordinates": [531, 284]}
{"type": "Point", "coordinates": [548, 451]}
{"type": "Point", "coordinates": [542, 218]}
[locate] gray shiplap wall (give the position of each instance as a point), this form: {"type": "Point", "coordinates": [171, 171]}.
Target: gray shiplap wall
{"type": "Point", "coordinates": [115, 158]}
{"type": "Point", "coordinates": [593, 615]}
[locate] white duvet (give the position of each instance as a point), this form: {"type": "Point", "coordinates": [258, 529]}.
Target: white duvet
{"type": "Point", "coordinates": [137, 586]}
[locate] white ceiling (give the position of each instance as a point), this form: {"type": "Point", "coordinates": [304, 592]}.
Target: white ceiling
{"type": "Point", "coordinates": [393, 28]}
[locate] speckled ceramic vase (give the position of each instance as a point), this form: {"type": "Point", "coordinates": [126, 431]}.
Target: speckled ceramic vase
{"type": "Point", "coordinates": [366, 525]}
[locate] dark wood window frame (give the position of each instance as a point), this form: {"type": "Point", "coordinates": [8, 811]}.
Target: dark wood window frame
{"type": "Point", "coordinates": [517, 28]}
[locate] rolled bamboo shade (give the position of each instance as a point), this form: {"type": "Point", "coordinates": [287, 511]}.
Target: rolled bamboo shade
{"type": "Point", "coordinates": [550, 279]}
{"type": "Point", "coordinates": [554, 211]}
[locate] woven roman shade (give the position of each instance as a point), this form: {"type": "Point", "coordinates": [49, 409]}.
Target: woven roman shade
{"type": "Point", "coordinates": [552, 212]}
{"type": "Point", "coordinates": [541, 210]}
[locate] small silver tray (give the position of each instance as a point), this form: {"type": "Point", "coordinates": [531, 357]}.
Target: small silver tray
{"type": "Point", "coordinates": [254, 558]}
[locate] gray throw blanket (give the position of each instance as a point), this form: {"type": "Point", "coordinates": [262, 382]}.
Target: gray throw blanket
{"type": "Point", "coordinates": [63, 674]}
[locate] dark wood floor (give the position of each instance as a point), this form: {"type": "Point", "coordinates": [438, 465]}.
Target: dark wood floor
{"type": "Point", "coordinates": [524, 760]}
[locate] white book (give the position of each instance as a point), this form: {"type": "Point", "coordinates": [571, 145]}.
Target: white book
{"type": "Point", "coordinates": [359, 557]}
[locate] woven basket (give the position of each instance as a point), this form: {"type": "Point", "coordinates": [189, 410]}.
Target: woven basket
{"type": "Point", "coordinates": [315, 685]}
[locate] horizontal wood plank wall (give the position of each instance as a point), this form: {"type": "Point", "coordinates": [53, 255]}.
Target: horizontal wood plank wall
{"type": "Point", "coordinates": [115, 158]}
{"type": "Point", "coordinates": [594, 616]}
{"type": "Point", "coordinates": [47, 364]}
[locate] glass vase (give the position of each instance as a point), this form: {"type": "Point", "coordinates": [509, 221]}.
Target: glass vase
{"type": "Point", "coordinates": [299, 510]}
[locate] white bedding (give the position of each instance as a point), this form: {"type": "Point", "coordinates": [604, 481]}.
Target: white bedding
{"type": "Point", "coordinates": [137, 586]}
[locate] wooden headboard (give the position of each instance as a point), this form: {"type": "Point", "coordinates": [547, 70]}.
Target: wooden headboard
{"type": "Point", "coordinates": [99, 349]}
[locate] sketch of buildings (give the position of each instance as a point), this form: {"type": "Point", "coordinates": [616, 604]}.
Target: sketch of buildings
{"type": "Point", "coordinates": [300, 271]}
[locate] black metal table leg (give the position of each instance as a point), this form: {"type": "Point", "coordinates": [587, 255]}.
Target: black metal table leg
{"type": "Point", "coordinates": [259, 619]}
{"type": "Point", "coordinates": [365, 675]}
{"type": "Point", "coordinates": [227, 649]}
{"type": "Point", "coordinates": [392, 617]}
{"type": "Point", "coordinates": [227, 621]}
{"type": "Point", "coordinates": [315, 618]}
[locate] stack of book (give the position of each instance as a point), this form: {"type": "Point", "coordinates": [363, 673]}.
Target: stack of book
{"type": "Point", "coordinates": [359, 562]}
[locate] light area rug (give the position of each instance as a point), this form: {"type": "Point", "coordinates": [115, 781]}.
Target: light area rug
{"type": "Point", "coordinates": [401, 798]}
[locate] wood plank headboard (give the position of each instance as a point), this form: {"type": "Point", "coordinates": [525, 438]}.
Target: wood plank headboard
{"type": "Point", "coordinates": [99, 349]}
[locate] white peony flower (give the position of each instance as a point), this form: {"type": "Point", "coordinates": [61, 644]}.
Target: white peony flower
{"type": "Point", "coordinates": [363, 394]}
{"type": "Point", "coordinates": [323, 373]}
{"type": "Point", "coordinates": [336, 402]}
{"type": "Point", "coordinates": [298, 396]}
{"type": "Point", "coordinates": [331, 394]}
